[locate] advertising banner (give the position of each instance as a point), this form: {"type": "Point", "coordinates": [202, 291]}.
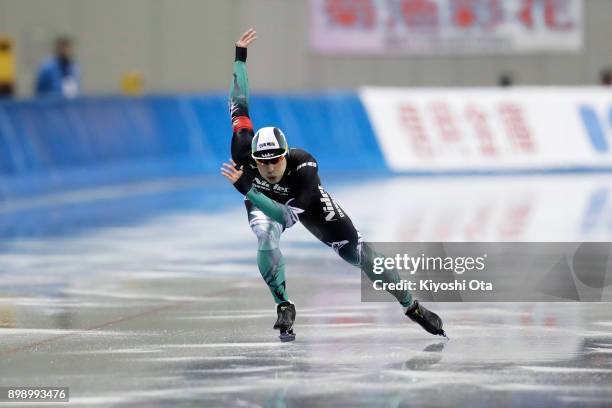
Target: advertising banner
{"type": "Point", "coordinates": [492, 129]}
{"type": "Point", "coordinates": [445, 26]}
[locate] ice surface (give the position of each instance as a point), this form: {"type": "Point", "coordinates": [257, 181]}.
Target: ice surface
{"type": "Point", "coordinates": [168, 308]}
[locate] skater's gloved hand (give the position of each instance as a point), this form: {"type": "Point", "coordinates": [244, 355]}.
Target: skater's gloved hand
{"type": "Point", "coordinates": [243, 42]}
{"type": "Point", "coordinates": [235, 175]}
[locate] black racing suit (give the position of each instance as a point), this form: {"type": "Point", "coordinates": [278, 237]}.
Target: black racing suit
{"type": "Point", "coordinates": [298, 196]}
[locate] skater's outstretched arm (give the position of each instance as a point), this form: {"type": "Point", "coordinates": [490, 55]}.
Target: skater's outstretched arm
{"type": "Point", "coordinates": [239, 102]}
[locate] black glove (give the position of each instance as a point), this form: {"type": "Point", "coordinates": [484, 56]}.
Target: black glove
{"type": "Point", "coordinates": [241, 54]}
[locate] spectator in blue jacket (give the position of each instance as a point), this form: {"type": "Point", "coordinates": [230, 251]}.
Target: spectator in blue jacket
{"type": "Point", "coordinates": [59, 75]}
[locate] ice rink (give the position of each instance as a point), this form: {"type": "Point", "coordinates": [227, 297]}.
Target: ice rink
{"type": "Point", "coordinates": [149, 295]}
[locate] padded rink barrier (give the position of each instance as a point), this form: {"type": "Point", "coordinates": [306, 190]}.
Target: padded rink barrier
{"type": "Point", "coordinates": [54, 145]}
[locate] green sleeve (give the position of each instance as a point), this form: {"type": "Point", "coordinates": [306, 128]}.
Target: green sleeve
{"type": "Point", "coordinates": [271, 208]}
{"type": "Point", "coordinates": [239, 89]}
{"type": "Point", "coordinates": [284, 214]}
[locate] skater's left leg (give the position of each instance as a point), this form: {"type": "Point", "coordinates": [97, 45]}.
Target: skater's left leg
{"type": "Point", "coordinates": [361, 255]}
{"type": "Point", "coordinates": [342, 236]}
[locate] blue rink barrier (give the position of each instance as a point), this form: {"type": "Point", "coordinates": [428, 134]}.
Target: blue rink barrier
{"type": "Point", "coordinates": [54, 145]}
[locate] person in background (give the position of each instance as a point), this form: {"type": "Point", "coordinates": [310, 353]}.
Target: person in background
{"type": "Point", "coordinates": [59, 75]}
{"type": "Point", "coordinates": [605, 77]}
{"type": "Point", "coordinates": [7, 68]}
{"type": "Point", "coordinates": [505, 80]}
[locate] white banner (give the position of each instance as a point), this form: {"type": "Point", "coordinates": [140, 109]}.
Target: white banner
{"type": "Point", "coordinates": [492, 129]}
{"type": "Point", "coordinates": [445, 26]}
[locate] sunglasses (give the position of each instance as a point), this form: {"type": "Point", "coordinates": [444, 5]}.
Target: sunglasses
{"type": "Point", "coordinates": [269, 161]}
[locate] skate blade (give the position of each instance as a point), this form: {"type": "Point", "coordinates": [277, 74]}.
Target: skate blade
{"type": "Point", "coordinates": [286, 337]}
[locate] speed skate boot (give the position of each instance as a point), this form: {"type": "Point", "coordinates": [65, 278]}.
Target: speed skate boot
{"type": "Point", "coordinates": [428, 320]}
{"type": "Point", "coordinates": [284, 322]}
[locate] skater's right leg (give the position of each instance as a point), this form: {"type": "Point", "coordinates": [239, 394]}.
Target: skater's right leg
{"type": "Point", "coordinates": [269, 257]}
{"type": "Point", "coordinates": [272, 268]}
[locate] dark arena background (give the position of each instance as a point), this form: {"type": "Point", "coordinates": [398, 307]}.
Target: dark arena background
{"type": "Point", "coordinates": [128, 271]}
